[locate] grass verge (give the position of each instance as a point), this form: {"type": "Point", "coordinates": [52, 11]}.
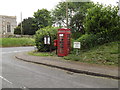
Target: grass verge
{"type": "Point", "coordinates": [15, 42]}
{"type": "Point", "coordinates": [106, 54]}
{"type": "Point", "coordinates": [34, 53]}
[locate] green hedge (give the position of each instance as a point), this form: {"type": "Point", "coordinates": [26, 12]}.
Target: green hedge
{"type": "Point", "coordinates": [39, 38]}
{"type": "Point", "coordinates": [92, 40]}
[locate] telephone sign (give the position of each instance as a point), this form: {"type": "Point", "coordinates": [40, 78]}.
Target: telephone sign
{"type": "Point", "coordinates": [60, 34]}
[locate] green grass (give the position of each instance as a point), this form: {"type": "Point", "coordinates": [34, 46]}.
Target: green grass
{"type": "Point", "coordinates": [106, 54]}
{"type": "Point", "coordinates": [15, 42]}
{"type": "Point", "coordinates": [34, 53]}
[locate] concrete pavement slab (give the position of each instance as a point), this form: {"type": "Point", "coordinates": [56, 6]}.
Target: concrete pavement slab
{"type": "Point", "coordinates": [73, 66]}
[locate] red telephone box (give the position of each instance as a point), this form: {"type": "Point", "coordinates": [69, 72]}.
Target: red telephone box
{"type": "Point", "coordinates": [63, 43]}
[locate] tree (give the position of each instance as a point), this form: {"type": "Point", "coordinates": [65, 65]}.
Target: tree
{"type": "Point", "coordinates": [76, 22]}
{"type": "Point", "coordinates": [59, 14]}
{"type": "Point", "coordinates": [76, 15]}
{"type": "Point", "coordinates": [102, 19]}
{"type": "Point", "coordinates": [28, 26]}
{"type": "Point", "coordinates": [17, 30]}
{"type": "Point", "coordinates": [42, 18]}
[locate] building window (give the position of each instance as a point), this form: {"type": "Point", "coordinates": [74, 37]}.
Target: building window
{"type": "Point", "coordinates": [8, 27]}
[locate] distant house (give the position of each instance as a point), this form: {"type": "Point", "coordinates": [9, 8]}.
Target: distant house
{"type": "Point", "coordinates": [7, 24]}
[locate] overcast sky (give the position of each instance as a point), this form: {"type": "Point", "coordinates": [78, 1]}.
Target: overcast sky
{"type": "Point", "coordinates": [28, 7]}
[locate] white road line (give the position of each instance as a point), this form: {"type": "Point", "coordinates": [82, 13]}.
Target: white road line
{"type": "Point", "coordinates": [6, 80]}
{"type": "Point", "coordinates": [14, 51]}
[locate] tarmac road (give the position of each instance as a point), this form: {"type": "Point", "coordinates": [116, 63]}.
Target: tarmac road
{"type": "Point", "coordinates": [20, 74]}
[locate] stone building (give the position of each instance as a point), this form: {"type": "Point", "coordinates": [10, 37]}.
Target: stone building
{"type": "Point", "coordinates": [7, 24]}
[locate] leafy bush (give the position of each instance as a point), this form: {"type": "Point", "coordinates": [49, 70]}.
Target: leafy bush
{"type": "Point", "coordinates": [101, 26]}
{"type": "Point", "coordinates": [102, 18]}
{"type": "Point", "coordinates": [91, 40]}
{"type": "Point", "coordinates": [87, 40]}
{"type": "Point", "coordinates": [76, 35]}
{"type": "Point", "coordinates": [39, 38]}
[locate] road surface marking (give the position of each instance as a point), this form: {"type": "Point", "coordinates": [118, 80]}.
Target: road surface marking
{"type": "Point", "coordinates": [6, 80]}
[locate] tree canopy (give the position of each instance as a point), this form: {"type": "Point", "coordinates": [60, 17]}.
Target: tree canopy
{"type": "Point", "coordinates": [76, 15]}
{"type": "Point", "coordinates": [42, 18]}
{"type": "Point", "coordinates": [28, 27]}
{"type": "Point", "coordinates": [102, 18]}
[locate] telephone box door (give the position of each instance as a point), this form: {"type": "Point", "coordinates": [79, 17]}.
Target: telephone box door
{"type": "Point", "coordinates": [61, 42]}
